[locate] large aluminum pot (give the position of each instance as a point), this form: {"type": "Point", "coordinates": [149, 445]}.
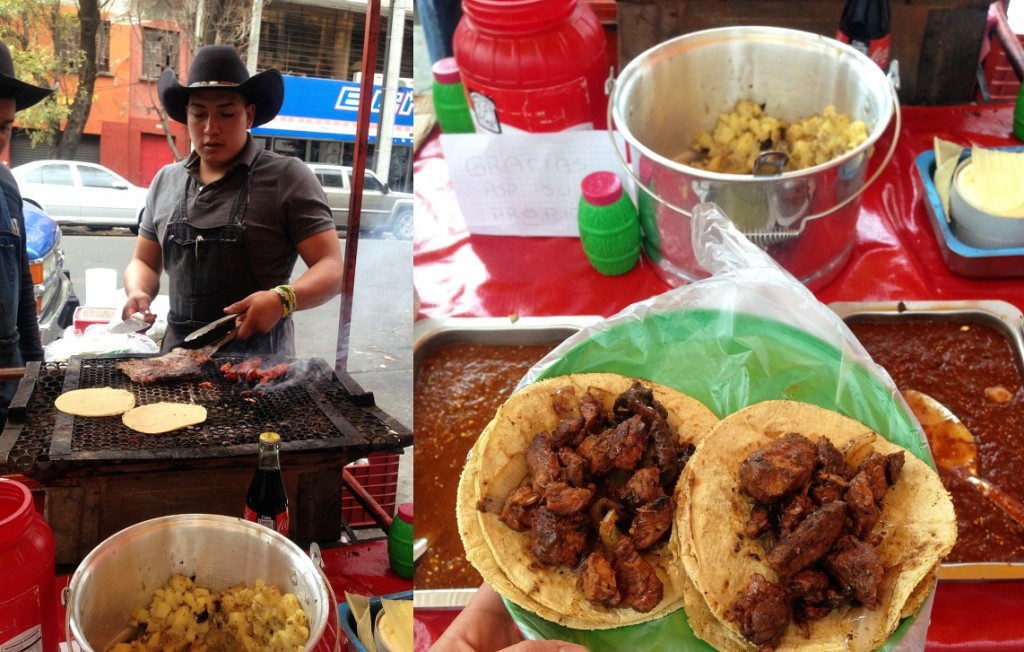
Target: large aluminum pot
{"type": "Point", "coordinates": [121, 573]}
{"type": "Point", "coordinates": [806, 220]}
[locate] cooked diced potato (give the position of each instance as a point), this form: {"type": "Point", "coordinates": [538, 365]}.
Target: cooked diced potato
{"type": "Point", "coordinates": [742, 134]}
{"type": "Point", "coordinates": [185, 618]}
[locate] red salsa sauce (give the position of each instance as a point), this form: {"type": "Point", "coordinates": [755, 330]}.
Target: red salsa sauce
{"type": "Point", "coordinates": [456, 392]}
{"type": "Point", "coordinates": [972, 369]}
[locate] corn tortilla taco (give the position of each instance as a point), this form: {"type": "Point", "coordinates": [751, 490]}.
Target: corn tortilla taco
{"type": "Point", "coordinates": [504, 461]}
{"type": "Point", "coordinates": [915, 529]}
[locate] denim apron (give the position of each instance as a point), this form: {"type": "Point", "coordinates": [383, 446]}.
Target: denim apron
{"type": "Point", "coordinates": [10, 287]}
{"type": "Point", "coordinates": [209, 268]}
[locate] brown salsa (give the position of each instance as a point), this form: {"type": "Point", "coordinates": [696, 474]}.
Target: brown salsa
{"type": "Point", "coordinates": [456, 392]}
{"type": "Point", "coordinates": [970, 367]}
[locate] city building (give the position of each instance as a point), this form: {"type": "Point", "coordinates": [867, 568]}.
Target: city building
{"type": "Point", "coordinates": [316, 44]}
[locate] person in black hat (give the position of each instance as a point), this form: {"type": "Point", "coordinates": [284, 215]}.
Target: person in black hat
{"type": "Point", "coordinates": [19, 326]}
{"type": "Point", "coordinates": [230, 221]}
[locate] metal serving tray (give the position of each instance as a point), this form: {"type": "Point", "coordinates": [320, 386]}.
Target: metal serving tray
{"type": "Point", "coordinates": [1003, 317]}
{"type": "Point", "coordinates": [962, 258]}
{"type": "Point", "coordinates": [431, 334]}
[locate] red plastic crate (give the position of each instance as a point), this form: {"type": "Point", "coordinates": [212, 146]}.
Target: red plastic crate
{"type": "Point", "coordinates": [378, 473]}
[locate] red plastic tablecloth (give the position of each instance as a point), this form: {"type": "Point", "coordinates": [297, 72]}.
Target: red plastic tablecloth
{"type": "Point", "coordinates": [896, 257]}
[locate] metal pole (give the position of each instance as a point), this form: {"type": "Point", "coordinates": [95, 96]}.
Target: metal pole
{"type": "Point", "coordinates": [255, 27]}
{"type": "Point", "coordinates": [386, 117]}
{"type": "Point", "coordinates": [380, 137]}
{"type": "Point", "coordinates": [358, 170]}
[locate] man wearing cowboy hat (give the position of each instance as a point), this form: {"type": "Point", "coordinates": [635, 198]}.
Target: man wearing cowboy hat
{"type": "Point", "coordinates": [229, 223]}
{"type": "Point", "coordinates": [19, 327]}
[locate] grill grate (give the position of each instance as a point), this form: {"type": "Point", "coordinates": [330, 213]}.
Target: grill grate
{"type": "Point", "coordinates": [309, 407]}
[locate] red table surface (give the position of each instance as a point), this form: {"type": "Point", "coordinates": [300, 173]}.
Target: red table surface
{"type": "Point", "coordinates": [896, 257]}
{"type": "Point", "coordinates": [360, 568]}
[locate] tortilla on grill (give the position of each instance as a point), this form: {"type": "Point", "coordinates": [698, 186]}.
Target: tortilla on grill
{"type": "Point", "coordinates": [163, 417]}
{"type": "Point", "coordinates": [917, 528]}
{"type": "Point", "coordinates": [502, 555]}
{"type": "Point", "coordinates": [95, 402]}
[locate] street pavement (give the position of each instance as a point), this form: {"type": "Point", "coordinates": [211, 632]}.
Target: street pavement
{"type": "Point", "coordinates": [380, 341]}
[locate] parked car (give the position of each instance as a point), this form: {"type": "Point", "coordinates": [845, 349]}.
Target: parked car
{"type": "Point", "coordinates": [75, 192]}
{"type": "Point", "coordinates": [55, 297]}
{"type": "Point", "coordinates": [383, 209]}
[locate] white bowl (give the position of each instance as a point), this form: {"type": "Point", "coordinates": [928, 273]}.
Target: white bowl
{"type": "Point", "coordinates": [978, 228]}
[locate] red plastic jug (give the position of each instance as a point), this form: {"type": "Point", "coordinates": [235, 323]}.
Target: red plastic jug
{"type": "Point", "coordinates": [28, 606]}
{"type": "Point", "coordinates": [532, 65]}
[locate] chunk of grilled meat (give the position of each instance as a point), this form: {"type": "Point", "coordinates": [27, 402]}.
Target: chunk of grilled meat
{"type": "Point", "coordinates": [651, 522]}
{"type": "Point", "coordinates": [563, 500]}
{"type": "Point", "coordinates": [856, 565]}
{"type": "Point", "coordinates": [542, 462]}
{"type": "Point", "coordinates": [782, 467]}
{"type": "Point", "coordinates": [641, 488]}
{"type": "Point", "coordinates": [176, 365]}
{"type": "Point", "coordinates": [809, 541]}
{"type": "Point", "coordinates": [558, 540]}
{"type": "Point", "coordinates": [596, 579]}
{"type": "Point", "coordinates": [640, 586]}
{"type": "Point", "coordinates": [621, 447]}
{"type": "Point", "coordinates": [519, 507]}
{"type": "Point", "coordinates": [572, 430]}
{"type": "Point", "coordinates": [864, 511]}
{"type": "Point", "coordinates": [763, 612]}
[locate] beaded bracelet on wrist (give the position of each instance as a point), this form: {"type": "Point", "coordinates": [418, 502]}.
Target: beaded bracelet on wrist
{"type": "Point", "coordinates": [288, 300]}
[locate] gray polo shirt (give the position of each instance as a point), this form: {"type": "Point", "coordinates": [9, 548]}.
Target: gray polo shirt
{"type": "Point", "coordinates": [286, 206]}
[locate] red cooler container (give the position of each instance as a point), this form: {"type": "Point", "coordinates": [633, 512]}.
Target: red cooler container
{"type": "Point", "coordinates": [28, 606]}
{"type": "Point", "coordinates": [532, 65]}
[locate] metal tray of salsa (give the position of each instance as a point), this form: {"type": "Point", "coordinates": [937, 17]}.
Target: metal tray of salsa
{"type": "Point", "coordinates": [463, 369]}
{"type": "Point", "coordinates": [970, 356]}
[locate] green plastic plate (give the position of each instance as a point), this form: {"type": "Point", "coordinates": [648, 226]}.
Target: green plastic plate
{"type": "Point", "coordinates": [727, 361]}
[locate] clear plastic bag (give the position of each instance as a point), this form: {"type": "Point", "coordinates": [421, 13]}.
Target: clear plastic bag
{"type": "Point", "coordinates": [750, 332]}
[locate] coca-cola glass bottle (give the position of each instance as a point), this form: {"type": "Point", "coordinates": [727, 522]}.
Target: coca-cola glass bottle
{"type": "Point", "coordinates": [865, 25]}
{"type": "Point", "coordinates": [267, 501]}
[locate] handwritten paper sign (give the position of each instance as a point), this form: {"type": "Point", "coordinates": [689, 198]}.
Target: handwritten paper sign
{"type": "Point", "coordinates": [526, 184]}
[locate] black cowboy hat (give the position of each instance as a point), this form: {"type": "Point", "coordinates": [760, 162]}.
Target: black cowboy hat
{"type": "Point", "coordinates": [24, 94]}
{"type": "Point", "coordinates": [218, 67]}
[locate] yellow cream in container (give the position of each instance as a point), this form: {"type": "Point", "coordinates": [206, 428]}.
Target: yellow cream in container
{"type": "Point", "coordinates": [987, 199]}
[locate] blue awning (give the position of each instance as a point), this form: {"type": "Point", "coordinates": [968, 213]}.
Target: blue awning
{"type": "Point", "coordinates": [327, 109]}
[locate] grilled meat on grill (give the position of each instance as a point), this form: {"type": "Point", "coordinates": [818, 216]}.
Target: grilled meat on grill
{"type": "Point", "coordinates": [178, 364]}
{"type": "Point", "coordinates": [249, 371]}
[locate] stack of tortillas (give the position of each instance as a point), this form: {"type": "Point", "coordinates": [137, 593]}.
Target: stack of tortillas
{"type": "Point", "coordinates": [150, 419]}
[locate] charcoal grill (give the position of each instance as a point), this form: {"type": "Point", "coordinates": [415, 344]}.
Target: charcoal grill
{"type": "Point", "coordinates": [309, 407]}
{"type": "Point", "coordinates": [89, 465]}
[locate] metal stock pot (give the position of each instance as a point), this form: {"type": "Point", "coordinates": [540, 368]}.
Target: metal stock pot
{"type": "Point", "coordinates": [806, 219]}
{"type": "Point", "coordinates": [121, 573]}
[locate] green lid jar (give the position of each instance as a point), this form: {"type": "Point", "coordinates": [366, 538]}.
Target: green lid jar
{"type": "Point", "coordinates": [400, 536]}
{"type": "Point", "coordinates": [450, 104]}
{"type": "Point", "coordinates": [608, 223]}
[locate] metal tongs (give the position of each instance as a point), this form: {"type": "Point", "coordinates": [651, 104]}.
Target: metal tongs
{"type": "Point", "coordinates": [193, 339]}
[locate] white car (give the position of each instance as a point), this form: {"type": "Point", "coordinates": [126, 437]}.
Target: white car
{"type": "Point", "coordinates": [75, 192]}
